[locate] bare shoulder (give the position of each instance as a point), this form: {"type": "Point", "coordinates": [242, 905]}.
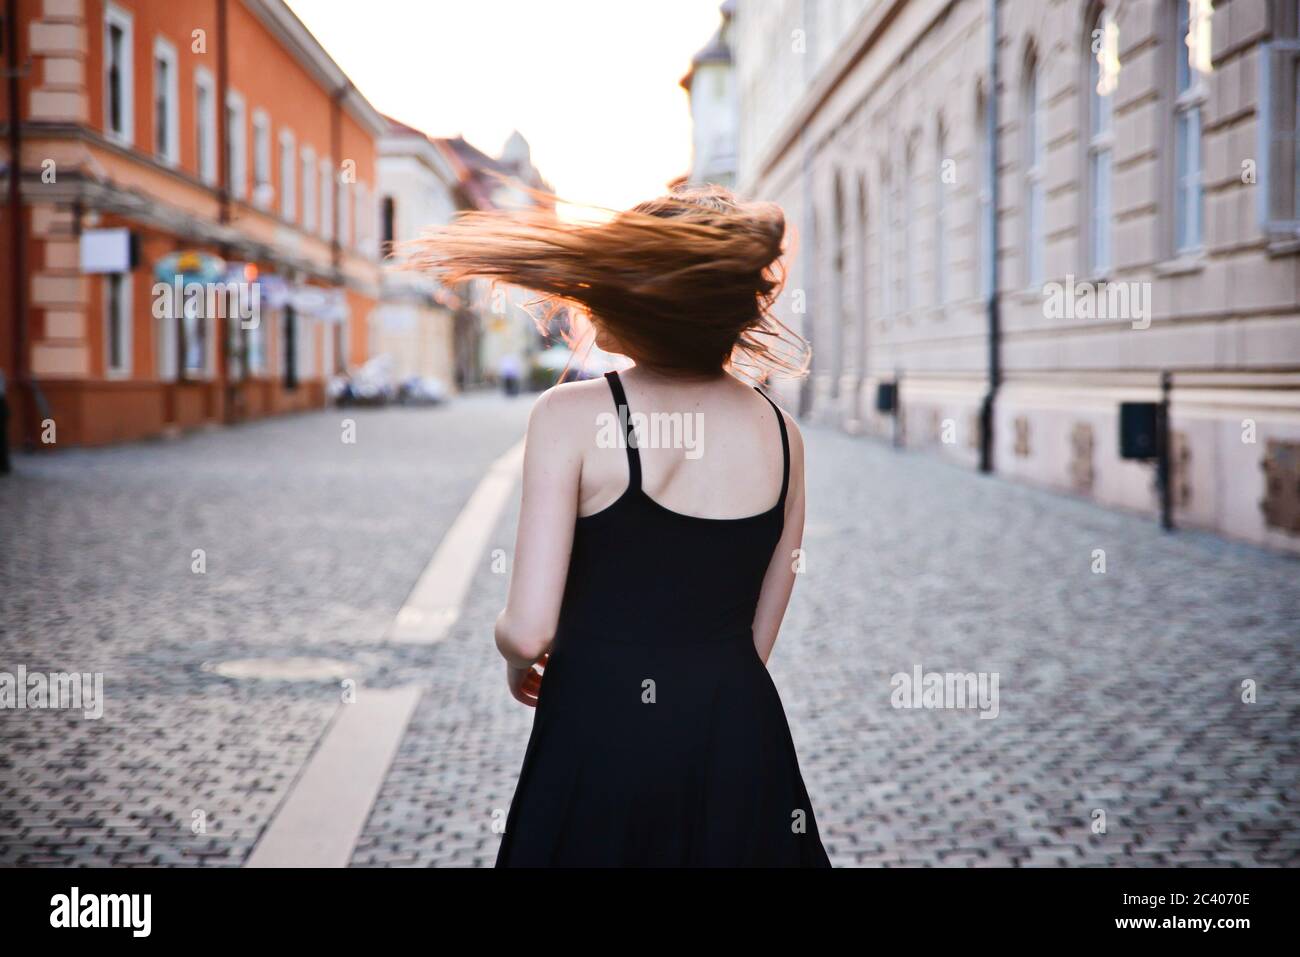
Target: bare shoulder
{"type": "Point", "coordinates": [562, 411]}
{"type": "Point", "coordinates": [792, 430]}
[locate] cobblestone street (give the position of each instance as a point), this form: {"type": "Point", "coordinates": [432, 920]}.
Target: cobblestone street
{"type": "Point", "coordinates": [1119, 692]}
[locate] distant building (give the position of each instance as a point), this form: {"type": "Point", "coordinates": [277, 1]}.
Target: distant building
{"type": "Point", "coordinates": [710, 82]}
{"type": "Point", "coordinates": [417, 323]}
{"type": "Point", "coordinates": [174, 146]}
{"type": "Point", "coordinates": [509, 181]}
{"type": "Point", "coordinates": [1024, 242]}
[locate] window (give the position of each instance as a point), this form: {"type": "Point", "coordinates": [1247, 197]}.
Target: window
{"type": "Point", "coordinates": [263, 192]}
{"type": "Point", "coordinates": [119, 121]}
{"type": "Point", "coordinates": [288, 164]}
{"type": "Point", "coordinates": [1279, 132]}
{"type": "Point", "coordinates": [1191, 52]}
{"type": "Point", "coordinates": [236, 145]}
{"type": "Point", "coordinates": [256, 346]}
{"type": "Point", "coordinates": [309, 189]}
{"type": "Point", "coordinates": [886, 241]}
{"type": "Point", "coordinates": [205, 125]}
{"type": "Point", "coordinates": [117, 323]}
{"type": "Point", "coordinates": [327, 187]}
{"type": "Point", "coordinates": [940, 218]}
{"type": "Point", "coordinates": [358, 200]}
{"type": "Point", "coordinates": [1103, 63]}
{"type": "Point", "coordinates": [195, 331]}
{"type": "Point", "coordinates": [911, 235]}
{"type": "Point", "coordinates": [389, 226]}
{"type": "Point", "coordinates": [1032, 112]}
{"type": "Point", "coordinates": [166, 102]}
{"type": "Point", "coordinates": [365, 220]}
{"type": "Point", "coordinates": [344, 199]}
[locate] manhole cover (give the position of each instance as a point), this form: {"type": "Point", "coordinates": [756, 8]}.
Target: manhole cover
{"type": "Point", "coordinates": [283, 669]}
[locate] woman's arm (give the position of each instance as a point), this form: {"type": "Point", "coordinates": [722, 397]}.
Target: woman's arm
{"type": "Point", "coordinates": [779, 580]}
{"type": "Point", "coordinates": [552, 470]}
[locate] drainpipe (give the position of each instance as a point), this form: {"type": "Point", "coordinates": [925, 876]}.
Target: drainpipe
{"type": "Point", "coordinates": [993, 305]}
{"type": "Point", "coordinates": [336, 151]}
{"type": "Point", "coordinates": [18, 293]}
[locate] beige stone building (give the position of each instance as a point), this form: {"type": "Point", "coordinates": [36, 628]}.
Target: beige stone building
{"type": "Point", "coordinates": [1024, 234]}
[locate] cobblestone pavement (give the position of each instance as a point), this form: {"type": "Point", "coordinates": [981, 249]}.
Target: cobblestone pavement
{"type": "Point", "coordinates": [311, 546]}
{"type": "Point", "coordinates": [1119, 692]}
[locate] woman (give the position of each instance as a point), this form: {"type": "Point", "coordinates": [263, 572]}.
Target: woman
{"type": "Point", "coordinates": [662, 514]}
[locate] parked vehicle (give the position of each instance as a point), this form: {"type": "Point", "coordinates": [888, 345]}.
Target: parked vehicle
{"type": "Point", "coordinates": [371, 384]}
{"type": "Point", "coordinates": [421, 390]}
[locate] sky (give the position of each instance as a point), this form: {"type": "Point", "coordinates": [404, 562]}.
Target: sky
{"type": "Point", "coordinates": [591, 84]}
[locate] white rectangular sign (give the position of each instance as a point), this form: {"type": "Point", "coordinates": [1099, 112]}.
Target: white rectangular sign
{"type": "Point", "coordinates": [106, 250]}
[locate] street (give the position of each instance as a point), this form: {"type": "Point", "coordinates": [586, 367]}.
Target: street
{"type": "Point", "coordinates": [1121, 691]}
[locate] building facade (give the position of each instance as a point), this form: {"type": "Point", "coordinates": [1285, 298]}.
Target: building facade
{"type": "Point", "coordinates": [417, 323]}
{"type": "Point", "coordinates": [503, 323]}
{"type": "Point", "coordinates": [195, 238]}
{"type": "Point", "coordinates": [711, 85]}
{"type": "Point", "coordinates": [1019, 214]}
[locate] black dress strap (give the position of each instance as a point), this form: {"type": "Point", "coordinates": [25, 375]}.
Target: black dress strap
{"type": "Point", "coordinates": [629, 433]}
{"type": "Point", "coordinates": [785, 444]}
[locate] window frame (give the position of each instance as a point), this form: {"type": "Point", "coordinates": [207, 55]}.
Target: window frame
{"type": "Point", "coordinates": [1272, 223]}
{"type": "Point", "coordinates": [205, 132]}
{"type": "Point", "coordinates": [1033, 158]}
{"type": "Point", "coordinates": [236, 144]}
{"type": "Point", "coordinates": [328, 184]}
{"type": "Point", "coordinates": [940, 219]}
{"type": "Point", "coordinates": [911, 236]}
{"type": "Point", "coordinates": [307, 165]}
{"type": "Point", "coordinates": [1186, 104]}
{"type": "Point", "coordinates": [115, 16]}
{"type": "Point", "coordinates": [124, 339]}
{"type": "Point", "coordinates": [263, 185]}
{"type": "Point", "coordinates": [164, 51]}
{"type": "Point", "coordinates": [885, 244]}
{"type": "Point", "coordinates": [288, 175]}
{"type": "Point", "coordinates": [1099, 146]}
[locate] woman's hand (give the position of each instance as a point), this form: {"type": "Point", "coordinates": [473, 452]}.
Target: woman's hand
{"type": "Point", "coordinates": [526, 683]}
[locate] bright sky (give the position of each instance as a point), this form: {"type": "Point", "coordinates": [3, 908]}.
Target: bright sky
{"type": "Point", "coordinates": [591, 84]}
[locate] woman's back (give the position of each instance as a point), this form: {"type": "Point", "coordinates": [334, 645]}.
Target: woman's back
{"type": "Point", "coordinates": [708, 448]}
{"type": "Point", "coordinates": [656, 716]}
{"type": "Point", "coordinates": [679, 521]}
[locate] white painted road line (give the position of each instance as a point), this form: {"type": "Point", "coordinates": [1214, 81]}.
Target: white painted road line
{"type": "Point", "coordinates": [438, 596]}
{"type": "Point", "coordinates": [320, 821]}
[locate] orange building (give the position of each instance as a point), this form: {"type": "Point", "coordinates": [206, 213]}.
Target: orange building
{"type": "Point", "coordinates": [196, 236]}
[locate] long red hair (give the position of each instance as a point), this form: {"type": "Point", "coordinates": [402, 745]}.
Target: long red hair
{"type": "Point", "coordinates": [685, 283]}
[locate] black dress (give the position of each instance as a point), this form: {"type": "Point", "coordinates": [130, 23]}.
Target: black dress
{"type": "Point", "coordinates": [659, 738]}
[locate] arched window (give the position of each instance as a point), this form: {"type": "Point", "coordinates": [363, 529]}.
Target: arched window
{"type": "Point", "coordinates": [1102, 42]}
{"type": "Point", "coordinates": [941, 216]}
{"type": "Point", "coordinates": [838, 236]}
{"type": "Point", "coordinates": [911, 235]}
{"type": "Point", "coordinates": [885, 238]}
{"type": "Point", "coordinates": [862, 257]}
{"type": "Point", "coordinates": [1034, 166]}
{"type": "Point", "coordinates": [1191, 46]}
